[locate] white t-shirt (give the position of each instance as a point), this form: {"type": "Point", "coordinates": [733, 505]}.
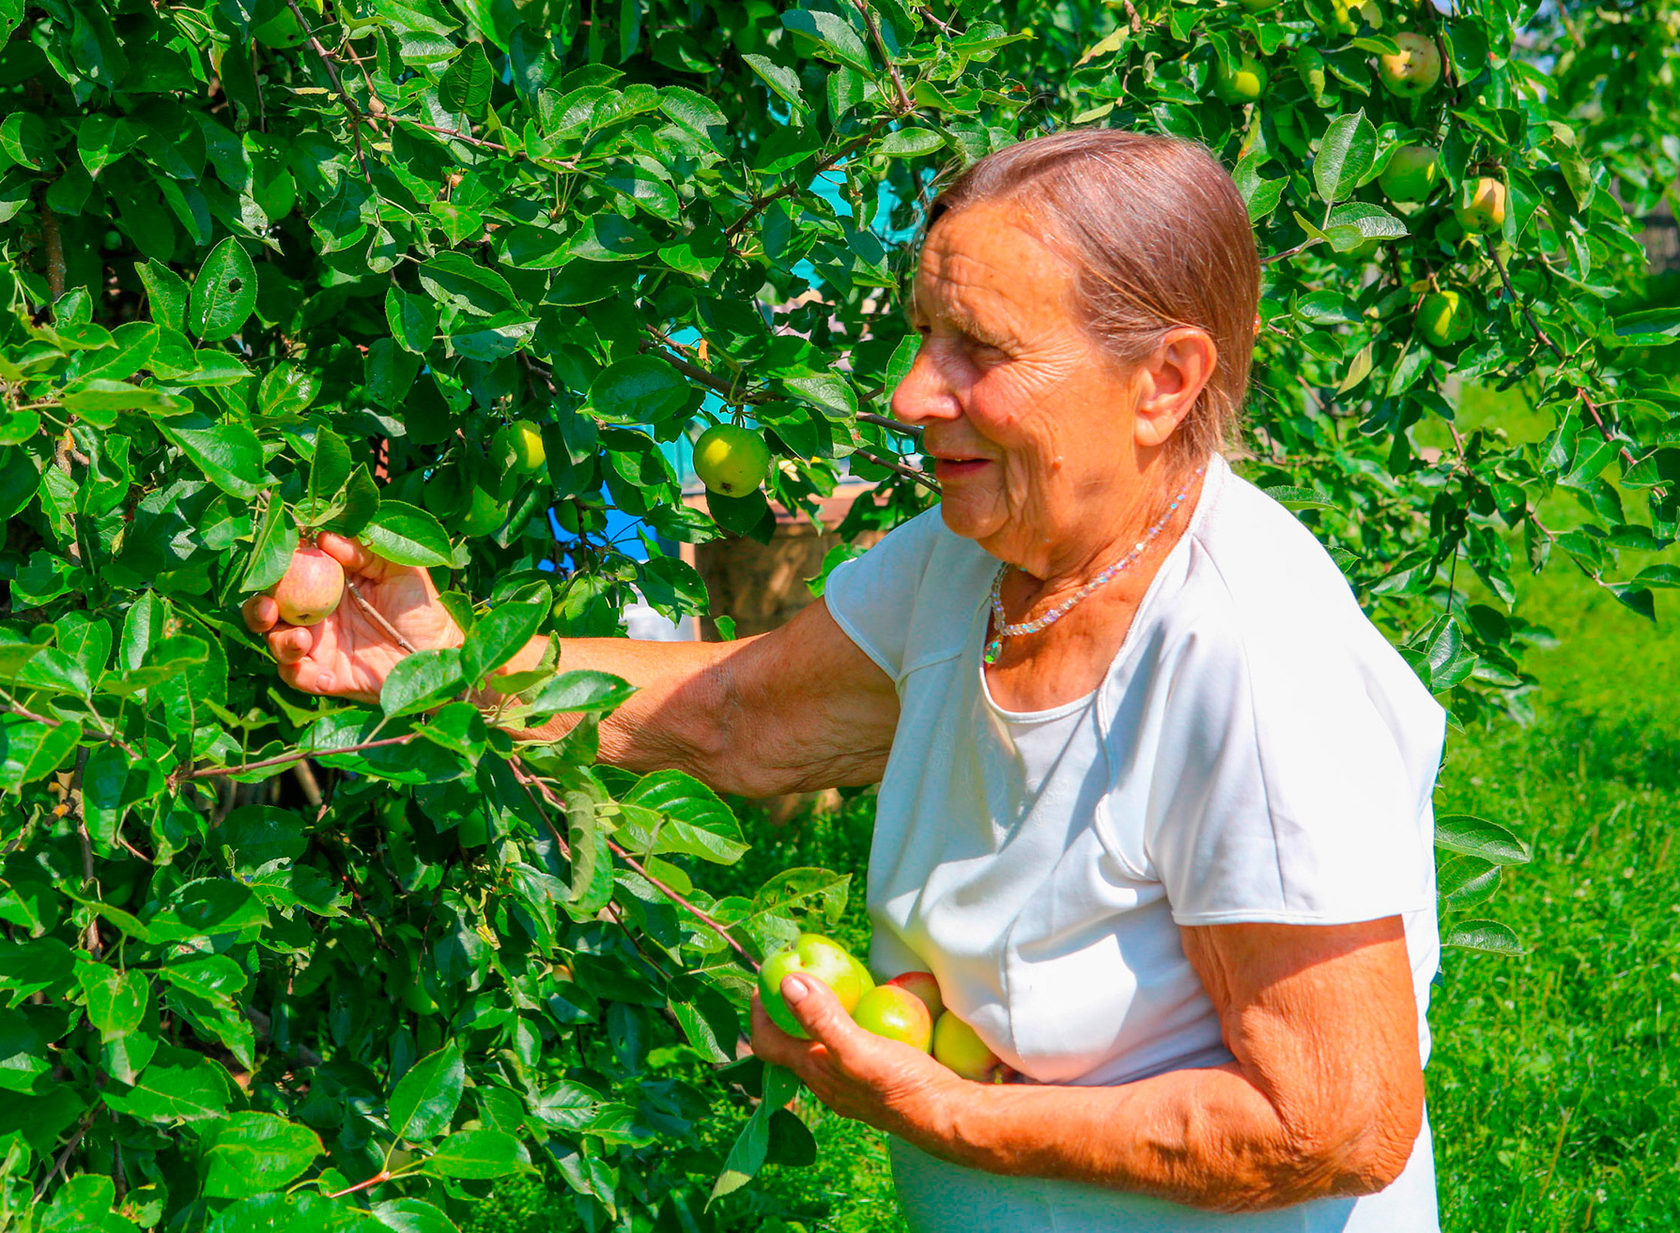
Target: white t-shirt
{"type": "Point", "coordinates": [1256, 752]}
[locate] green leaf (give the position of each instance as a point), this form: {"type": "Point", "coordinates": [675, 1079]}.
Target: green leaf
{"type": "Point", "coordinates": [477, 1155]}
{"type": "Point", "coordinates": [178, 1086]}
{"type": "Point", "coordinates": [413, 319]}
{"type": "Point", "coordinates": [116, 1001]}
{"type": "Point", "coordinates": [833, 34]}
{"type": "Point", "coordinates": [31, 751]}
{"type": "Point", "coordinates": [1345, 156]}
{"type": "Point", "coordinates": [697, 822]}
{"type": "Point", "coordinates": [271, 553]}
{"type": "Point", "coordinates": [496, 637]}
{"type": "Point", "coordinates": [465, 85]}
{"type": "Point", "coordinates": [639, 390]}
{"type": "Point", "coordinates": [582, 690]}
{"type": "Point", "coordinates": [224, 293]}
{"type": "Point", "coordinates": [167, 292]}
{"type": "Point", "coordinates": [426, 1097]}
{"type": "Point", "coordinates": [412, 1216]}
{"type": "Point", "coordinates": [1299, 498]}
{"type": "Point", "coordinates": [25, 140]}
{"type": "Point", "coordinates": [784, 82]}
{"type": "Point", "coordinates": [407, 536]}
{"type": "Point", "coordinates": [229, 455]}
{"type": "Point", "coordinates": [911, 143]}
{"type": "Point", "coordinates": [420, 681]}
{"type": "Point", "coordinates": [1484, 935]}
{"type": "Point", "coordinates": [250, 1153]}
{"type": "Point", "coordinates": [1472, 836]}
{"type": "Point", "coordinates": [459, 281]}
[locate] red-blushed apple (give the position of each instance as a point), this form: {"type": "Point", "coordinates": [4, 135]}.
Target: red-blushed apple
{"type": "Point", "coordinates": [896, 1013]}
{"type": "Point", "coordinates": [811, 954]}
{"type": "Point", "coordinates": [311, 587]}
{"type": "Point", "coordinates": [1481, 206]}
{"type": "Point", "coordinates": [960, 1048]}
{"type": "Point", "coordinates": [924, 986]}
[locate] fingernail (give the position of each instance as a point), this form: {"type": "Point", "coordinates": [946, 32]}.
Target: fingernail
{"type": "Point", "coordinates": [794, 989]}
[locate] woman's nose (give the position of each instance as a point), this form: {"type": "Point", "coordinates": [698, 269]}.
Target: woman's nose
{"type": "Point", "coordinates": [926, 393]}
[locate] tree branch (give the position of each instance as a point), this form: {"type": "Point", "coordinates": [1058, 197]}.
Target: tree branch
{"type": "Point", "coordinates": [1580, 392]}
{"type": "Point", "coordinates": [905, 106]}
{"type": "Point", "coordinates": [909, 473]}
{"type": "Point", "coordinates": [332, 71]}
{"type": "Point", "coordinates": [295, 756]}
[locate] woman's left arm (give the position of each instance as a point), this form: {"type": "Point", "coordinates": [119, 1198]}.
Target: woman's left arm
{"type": "Point", "coordinates": [1325, 1096]}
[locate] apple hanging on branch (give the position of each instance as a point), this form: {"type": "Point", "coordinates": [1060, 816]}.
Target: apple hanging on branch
{"type": "Point", "coordinates": [1412, 71]}
{"type": "Point", "coordinates": [731, 460]}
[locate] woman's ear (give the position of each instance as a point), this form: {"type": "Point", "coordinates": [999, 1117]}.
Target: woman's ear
{"type": "Point", "coordinates": [1170, 383]}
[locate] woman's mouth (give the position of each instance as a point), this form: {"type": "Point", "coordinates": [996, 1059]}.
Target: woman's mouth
{"type": "Point", "coordinates": [947, 469]}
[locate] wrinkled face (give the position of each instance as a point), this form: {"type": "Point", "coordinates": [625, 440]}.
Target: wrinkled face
{"type": "Point", "coordinates": [1029, 424]}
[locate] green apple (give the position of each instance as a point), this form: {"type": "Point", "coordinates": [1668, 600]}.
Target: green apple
{"type": "Point", "coordinates": [1443, 319]}
{"type": "Point", "coordinates": [1411, 173]}
{"type": "Point", "coordinates": [924, 986]}
{"type": "Point", "coordinates": [730, 460]}
{"type": "Point", "coordinates": [1351, 15]}
{"type": "Point", "coordinates": [519, 447]}
{"type": "Point", "coordinates": [1481, 206]}
{"type": "Point", "coordinates": [960, 1048]}
{"type": "Point", "coordinates": [811, 954]}
{"type": "Point", "coordinates": [896, 1013]}
{"type": "Point", "coordinates": [1412, 71]}
{"type": "Point", "coordinates": [1242, 82]}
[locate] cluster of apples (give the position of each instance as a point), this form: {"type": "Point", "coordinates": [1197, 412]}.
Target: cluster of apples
{"type": "Point", "coordinates": [908, 1008]}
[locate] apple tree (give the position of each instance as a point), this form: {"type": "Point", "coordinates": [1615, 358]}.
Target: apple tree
{"type": "Point", "coordinates": [453, 279]}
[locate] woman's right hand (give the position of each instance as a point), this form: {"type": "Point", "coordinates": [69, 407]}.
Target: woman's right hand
{"type": "Point", "coordinates": [349, 654]}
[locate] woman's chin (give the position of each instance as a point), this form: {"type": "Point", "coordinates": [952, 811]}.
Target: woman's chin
{"type": "Point", "coordinates": [964, 519]}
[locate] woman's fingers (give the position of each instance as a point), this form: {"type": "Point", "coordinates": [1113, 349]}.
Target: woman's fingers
{"type": "Point", "coordinates": [292, 643]}
{"type": "Point", "coordinates": [261, 613]}
{"type": "Point", "coordinates": [355, 556]}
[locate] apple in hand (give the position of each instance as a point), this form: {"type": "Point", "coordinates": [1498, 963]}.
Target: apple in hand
{"type": "Point", "coordinates": [1412, 71]}
{"type": "Point", "coordinates": [896, 1013]}
{"type": "Point", "coordinates": [960, 1048]}
{"type": "Point", "coordinates": [924, 986]}
{"type": "Point", "coordinates": [812, 954]}
{"type": "Point", "coordinates": [311, 587]}
{"type": "Point", "coordinates": [731, 460]}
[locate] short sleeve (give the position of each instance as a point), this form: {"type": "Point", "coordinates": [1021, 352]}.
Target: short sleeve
{"type": "Point", "coordinates": [871, 597]}
{"type": "Point", "coordinates": [1294, 779]}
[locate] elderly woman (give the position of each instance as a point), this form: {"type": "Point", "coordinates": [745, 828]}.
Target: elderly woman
{"type": "Point", "coordinates": [1155, 795]}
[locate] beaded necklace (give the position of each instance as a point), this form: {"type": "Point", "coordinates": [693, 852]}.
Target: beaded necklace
{"type": "Point", "coordinates": [994, 648]}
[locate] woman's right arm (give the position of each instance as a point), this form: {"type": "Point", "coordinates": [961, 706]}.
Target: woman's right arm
{"type": "Point", "coordinates": [792, 710]}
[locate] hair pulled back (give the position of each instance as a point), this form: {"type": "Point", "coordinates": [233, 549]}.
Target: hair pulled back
{"type": "Point", "coordinates": [1160, 238]}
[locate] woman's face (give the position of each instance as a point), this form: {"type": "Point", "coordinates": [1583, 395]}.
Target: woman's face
{"type": "Point", "coordinates": [1029, 425]}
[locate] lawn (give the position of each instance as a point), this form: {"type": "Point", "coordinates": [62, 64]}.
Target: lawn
{"type": "Point", "coordinates": [1553, 1083]}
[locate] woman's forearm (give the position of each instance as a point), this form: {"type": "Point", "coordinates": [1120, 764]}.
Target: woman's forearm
{"type": "Point", "coordinates": [1206, 1138]}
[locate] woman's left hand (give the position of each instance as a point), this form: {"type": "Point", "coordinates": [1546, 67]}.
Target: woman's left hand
{"type": "Point", "coordinates": [886, 1083]}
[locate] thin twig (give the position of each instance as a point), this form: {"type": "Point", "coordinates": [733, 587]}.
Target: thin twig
{"type": "Point", "coordinates": [378, 618]}
{"type": "Point", "coordinates": [905, 106]}
{"type": "Point", "coordinates": [332, 71]}
{"type": "Point", "coordinates": [297, 755]}
{"type": "Point", "coordinates": [75, 1141]}
{"type": "Point", "coordinates": [798, 184]}
{"type": "Point", "coordinates": [909, 473]}
{"type": "Point", "coordinates": [885, 421]}
{"type": "Point", "coordinates": [382, 1176]}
